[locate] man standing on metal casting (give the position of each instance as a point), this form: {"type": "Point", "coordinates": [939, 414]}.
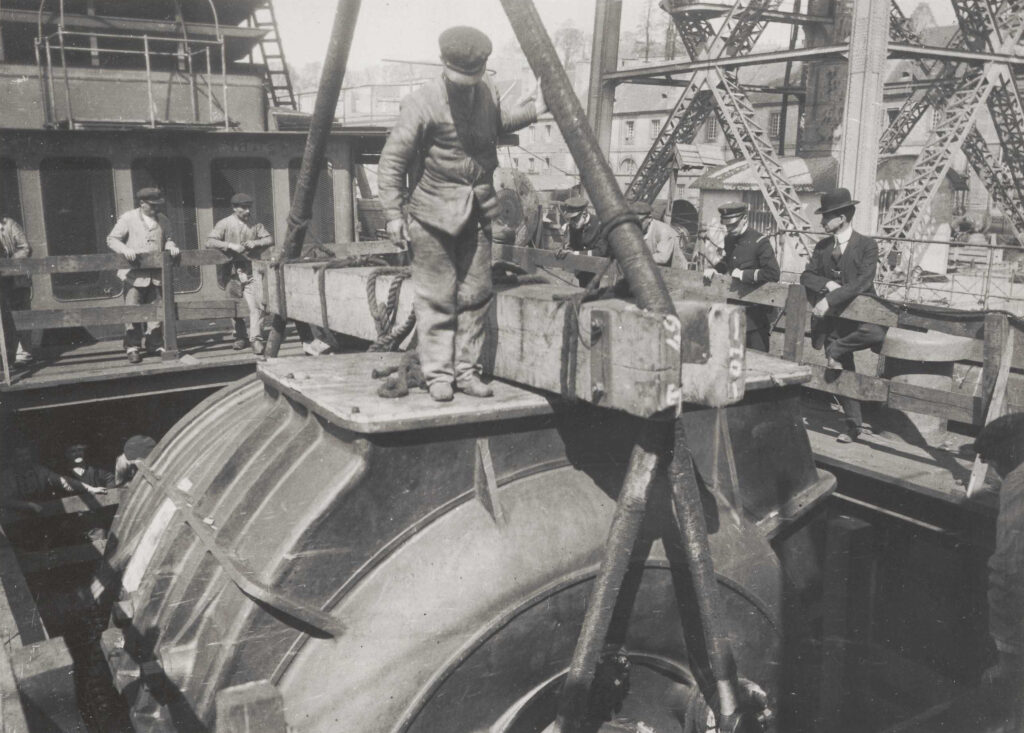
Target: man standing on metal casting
{"type": "Point", "coordinates": [445, 140]}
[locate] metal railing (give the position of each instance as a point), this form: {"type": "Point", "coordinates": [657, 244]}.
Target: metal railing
{"type": "Point", "coordinates": [47, 46]}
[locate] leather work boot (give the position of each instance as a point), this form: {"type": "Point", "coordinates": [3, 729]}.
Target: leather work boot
{"type": "Point", "coordinates": [134, 357]}
{"type": "Point", "coordinates": [258, 347]}
{"type": "Point", "coordinates": [441, 392]}
{"type": "Point", "coordinates": [239, 344]}
{"type": "Point", "coordinates": [474, 387]}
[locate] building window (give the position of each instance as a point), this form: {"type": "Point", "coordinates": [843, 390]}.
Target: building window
{"type": "Point", "coordinates": [10, 195]}
{"type": "Point", "coordinates": [711, 130]}
{"type": "Point", "coordinates": [655, 129]}
{"type": "Point", "coordinates": [758, 213]}
{"type": "Point", "coordinates": [891, 115]}
{"type": "Point", "coordinates": [515, 162]}
{"type": "Point", "coordinates": [885, 201]}
{"type": "Point", "coordinates": [547, 133]}
{"type": "Point", "coordinates": [174, 177]}
{"type": "Point", "coordinates": [627, 167]}
{"type": "Point", "coordinates": [938, 115]}
{"type": "Point", "coordinates": [529, 134]}
{"type": "Point", "coordinates": [532, 166]}
{"type": "Point", "coordinates": [243, 175]}
{"type": "Point", "coordinates": [960, 202]}
{"type": "Point", "coordinates": [629, 132]}
{"type": "Point", "coordinates": [774, 125]}
{"type": "Point", "coordinates": [78, 213]}
{"type": "Point", "coordinates": [321, 226]}
{"type": "Point", "coordinates": [547, 164]}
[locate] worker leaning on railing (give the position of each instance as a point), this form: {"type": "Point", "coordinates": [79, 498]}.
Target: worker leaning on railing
{"type": "Point", "coordinates": [140, 231]}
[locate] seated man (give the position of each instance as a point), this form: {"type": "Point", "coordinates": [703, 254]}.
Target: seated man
{"type": "Point", "coordinates": [245, 239]}
{"type": "Point", "coordinates": [81, 475]}
{"type": "Point", "coordinates": [842, 267]}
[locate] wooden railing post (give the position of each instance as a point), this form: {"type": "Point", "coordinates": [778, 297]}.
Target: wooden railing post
{"type": "Point", "coordinates": [169, 310]}
{"type": "Point", "coordinates": [796, 323]}
{"type": "Point", "coordinates": [3, 336]}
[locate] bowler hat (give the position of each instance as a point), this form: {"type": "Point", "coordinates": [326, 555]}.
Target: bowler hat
{"type": "Point", "coordinates": [835, 201]}
{"type": "Point", "coordinates": [464, 49]}
{"type": "Point", "coordinates": [241, 199]}
{"type": "Point", "coordinates": [150, 195]}
{"type": "Point", "coordinates": [138, 446]}
{"type": "Point", "coordinates": [732, 210]}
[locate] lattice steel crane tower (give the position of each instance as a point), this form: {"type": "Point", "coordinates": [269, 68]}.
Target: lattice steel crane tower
{"type": "Point", "coordinates": [975, 71]}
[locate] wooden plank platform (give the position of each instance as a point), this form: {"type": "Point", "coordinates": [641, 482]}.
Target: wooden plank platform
{"type": "Point", "coordinates": [341, 389]}
{"type": "Point", "coordinates": [99, 371]}
{"type": "Point", "coordinates": [899, 459]}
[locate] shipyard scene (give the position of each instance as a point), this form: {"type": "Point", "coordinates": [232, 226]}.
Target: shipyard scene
{"type": "Point", "coordinates": [511, 366]}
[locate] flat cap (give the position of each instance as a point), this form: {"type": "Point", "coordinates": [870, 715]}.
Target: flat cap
{"type": "Point", "coordinates": [999, 435]}
{"type": "Point", "coordinates": [640, 208]}
{"type": "Point", "coordinates": [150, 195]}
{"type": "Point", "coordinates": [138, 446]}
{"type": "Point", "coordinates": [732, 210]}
{"type": "Point", "coordinates": [241, 199]}
{"type": "Point", "coordinates": [576, 203]}
{"type": "Point", "coordinates": [464, 49]}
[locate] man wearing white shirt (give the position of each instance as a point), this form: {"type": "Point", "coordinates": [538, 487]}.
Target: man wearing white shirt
{"type": "Point", "coordinates": [842, 266]}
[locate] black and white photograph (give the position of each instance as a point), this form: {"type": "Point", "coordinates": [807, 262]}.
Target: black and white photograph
{"type": "Point", "coordinates": [511, 366]}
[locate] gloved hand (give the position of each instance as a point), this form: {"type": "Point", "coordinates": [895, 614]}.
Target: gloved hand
{"type": "Point", "coordinates": [820, 308]}
{"type": "Point", "coordinates": [398, 233]}
{"type": "Point", "coordinates": [709, 274]}
{"type": "Point", "coordinates": [737, 273]}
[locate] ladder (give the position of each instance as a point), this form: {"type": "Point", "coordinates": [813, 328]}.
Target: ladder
{"type": "Point", "coordinates": [279, 82]}
{"type": "Point", "coordinates": [973, 88]}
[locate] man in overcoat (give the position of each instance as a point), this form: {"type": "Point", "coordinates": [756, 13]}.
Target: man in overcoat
{"type": "Point", "coordinates": [748, 258]}
{"type": "Point", "coordinates": [842, 266]}
{"type": "Point", "coordinates": [445, 142]}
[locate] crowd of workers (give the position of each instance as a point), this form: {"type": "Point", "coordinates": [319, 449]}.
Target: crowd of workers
{"type": "Point", "coordinates": [25, 483]}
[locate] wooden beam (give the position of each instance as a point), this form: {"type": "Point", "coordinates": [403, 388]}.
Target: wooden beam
{"type": "Point", "coordinates": [608, 352]}
{"type": "Point", "coordinates": [996, 408]}
{"type": "Point", "coordinates": [67, 505]}
{"type": "Point", "coordinates": [796, 323]}
{"type": "Point", "coordinates": [46, 683]}
{"type": "Point", "coordinates": [41, 561]}
{"type": "Point", "coordinates": [168, 312]}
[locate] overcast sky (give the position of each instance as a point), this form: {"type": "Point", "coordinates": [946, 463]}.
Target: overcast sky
{"type": "Point", "coordinates": [407, 29]}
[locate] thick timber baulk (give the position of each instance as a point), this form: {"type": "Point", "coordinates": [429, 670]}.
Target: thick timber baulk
{"type": "Point", "coordinates": [359, 564]}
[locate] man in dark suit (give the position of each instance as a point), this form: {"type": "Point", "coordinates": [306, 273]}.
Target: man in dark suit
{"type": "Point", "coordinates": [842, 267]}
{"type": "Point", "coordinates": [749, 258]}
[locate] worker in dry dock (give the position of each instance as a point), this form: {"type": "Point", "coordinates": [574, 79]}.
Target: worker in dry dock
{"type": "Point", "coordinates": [445, 140]}
{"type": "Point", "coordinates": [24, 482]}
{"type": "Point", "coordinates": [245, 240]}
{"type": "Point", "coordinates": [142, 230]}
{"type": "Point", "coordinates": [748, 258]}
{"type": "Point", "coordinates": [842, 266]}
{"type": "Point", "coordinates": [136, 449]}
{"type": "Point", "coordinates": [1001, 444]}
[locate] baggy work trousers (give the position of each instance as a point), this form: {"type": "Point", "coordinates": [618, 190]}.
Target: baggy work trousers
{"type": "Point", "coordinates": [254, 301]}
{"type": "Point", "coordinates": [154, 329]}
{"type": "Point", "coordinates": [451, 276]}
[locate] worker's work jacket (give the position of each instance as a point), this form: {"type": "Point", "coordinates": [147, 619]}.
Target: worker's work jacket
{"type": "Point", "coordinates": [448, 149]}
{"type": "Point", "coordinates": [132, 232]}
{"type": "Point", "coordinates": [232, 230]}
{"type": "Point", "coordinates": [663, 241]}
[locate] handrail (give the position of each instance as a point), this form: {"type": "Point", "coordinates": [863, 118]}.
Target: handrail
{"type": "Point", "coordinates": [965, 405]}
